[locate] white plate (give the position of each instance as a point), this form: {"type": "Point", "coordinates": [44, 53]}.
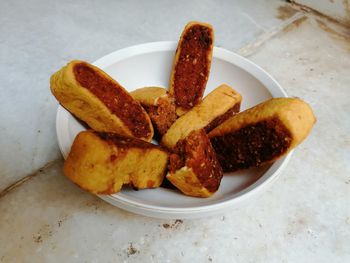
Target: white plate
{"type": "Point", "coordinates": [149, 65]}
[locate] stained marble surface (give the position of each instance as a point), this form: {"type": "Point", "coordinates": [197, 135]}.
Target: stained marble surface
{"type": "Point", "coordinates": [304, 216]}
{"type": "Point", "coordinates": [338, 9]}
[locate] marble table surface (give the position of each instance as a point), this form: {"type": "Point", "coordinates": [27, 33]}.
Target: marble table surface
{"type": "Point", "coordinates": [304, 216]}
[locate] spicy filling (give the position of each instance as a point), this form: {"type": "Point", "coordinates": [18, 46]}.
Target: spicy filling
{"type": "Point", "coordinates": [197, 153]}
{"type": "Point", "coordinates": [252, 145]}
{"type": "Point", "coordinates": [193, 65]}
{"type": "Point", "coordinates": [118, 101]}
{"type": "Point", "coordinates": [162, 114]}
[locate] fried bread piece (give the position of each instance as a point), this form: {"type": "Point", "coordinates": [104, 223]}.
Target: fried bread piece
{"type": "Point", "coordinates": [262, 134]}
{"type": "Point", "coordinates": [191, 66]}
{"type": "Point", "coordinates": [159, 106]}
{"type": "Point", "coordinates": [194, 169]}
{"type": "Point", "coordinates": [102, 162]}
{"type": "Point", "coordinates": [100, 101]}
{"type": "Point", "coordinates": [216, 107]}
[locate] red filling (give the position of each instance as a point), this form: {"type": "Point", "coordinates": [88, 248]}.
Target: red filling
{"type": "Point", "coordinates": [118, 101]}
{"type": "Point", "coordinates": [193, 65]}
{"type": "Point", "coordinates": [162, 115]}
{"type": "Point", "coordinates": [196, 152]}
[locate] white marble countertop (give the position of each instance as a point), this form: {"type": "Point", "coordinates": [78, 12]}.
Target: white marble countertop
{"type": "Point", "coordinates": [302, 217]}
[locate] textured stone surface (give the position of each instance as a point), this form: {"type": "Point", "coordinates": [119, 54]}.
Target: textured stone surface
{"type": "Point", "coordinates": [304, 216]}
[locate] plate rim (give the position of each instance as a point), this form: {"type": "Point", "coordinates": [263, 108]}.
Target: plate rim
{"type": "Point", "coordinates": [120, 200]}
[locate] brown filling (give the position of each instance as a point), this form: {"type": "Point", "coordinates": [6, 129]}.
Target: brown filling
{"type": "Point", "coordinates": [192, 68]}
{"type": "Point", "coordinates": [220, 119]}
{"type": "Point", "coordinates": [252, 145]}
{"type": "Point", "coordinates": [163, 114]}
{"type": "Point", "coordinates": [176, 162]}
{"type": "Point", "coordinates": [197, 153]}
{"type": "Point", "coordinates": [125, 142]}
{"type": "Point", "coordinates": [118, 101]}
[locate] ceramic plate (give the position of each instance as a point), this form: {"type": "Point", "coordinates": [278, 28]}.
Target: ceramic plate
{"type": "Point", "coordinates": [149, 65]}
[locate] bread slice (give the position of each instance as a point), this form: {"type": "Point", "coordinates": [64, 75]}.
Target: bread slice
{"type": "Point", "coordinates": [216, 107]}
{"type": "Point", "coordinates": [100, 101]}
{"type": "Point", "coordinates": [159, 106]}
{"type": "Point", "coordinates": [191, 66]}
{"type": "Point", "coordinates": [194, 169]}
{"type": "Point", "coordinates": [102, 162]}
{"type": "Point", "coordinates": [262, 134]}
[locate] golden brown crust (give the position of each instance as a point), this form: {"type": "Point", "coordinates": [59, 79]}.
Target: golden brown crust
{"type": "Point", "coordinates": [191, 66]}
{"type": "Point", "coordinates": [262, 134]}
{"type": "Point", "coordinates": [148, 96]}
{"type": "Point", "coordinates": [159, 106]}
{"type": "Point", "coordinates": [100, 101]}
{"type": "Point", "coordinates": [194, 168]}
{"type": "Point", "coordinates": [102, 163]}
{"type": "Point", "coordinates": [217, 103]}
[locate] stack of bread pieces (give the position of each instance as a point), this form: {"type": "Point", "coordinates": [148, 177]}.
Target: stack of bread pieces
{"type": "Point", "coordinates": [199, 138]}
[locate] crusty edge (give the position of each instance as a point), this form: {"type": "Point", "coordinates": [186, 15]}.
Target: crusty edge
{"type": "Point", "coordinates": [180, 111]}
{"type": "Point", "coordinates": [85, 105]}
{"type": "Point", "coordinates": [187, 182]}
{"type": "Point", "coordinates": [79, 155]}
{"type": "Point", "coordinates": [295, 114]}
{"type": "Point", "coordinates": [148, 96]}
